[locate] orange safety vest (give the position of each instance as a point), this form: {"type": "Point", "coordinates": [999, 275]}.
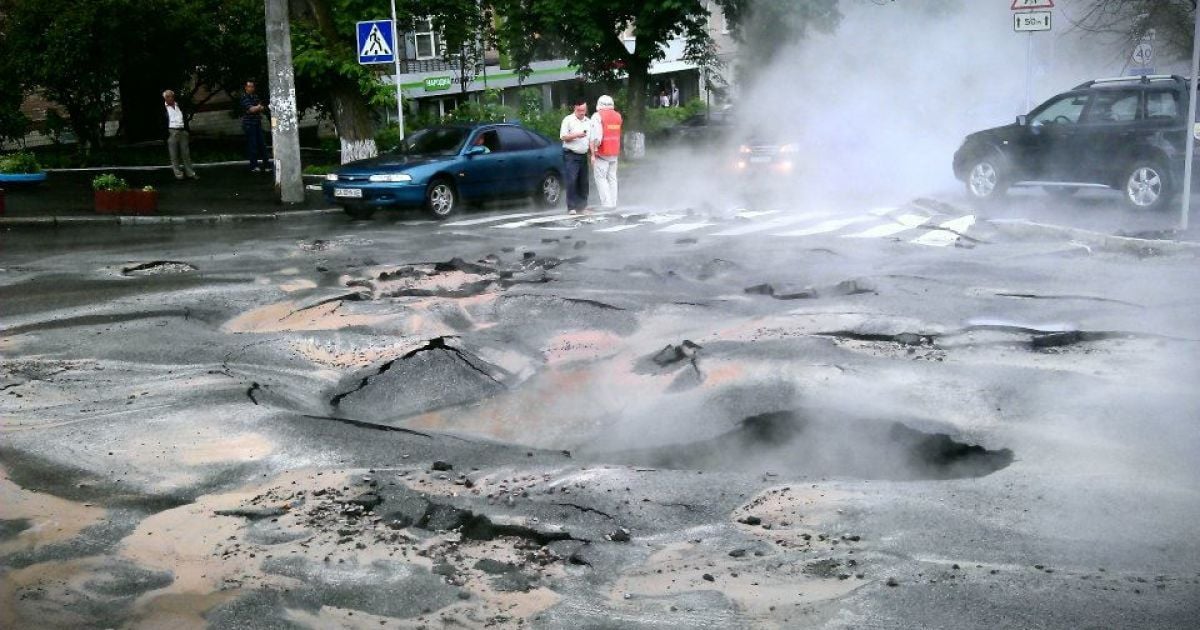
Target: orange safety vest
{"type": "Point", "coordinates": [610, 143]}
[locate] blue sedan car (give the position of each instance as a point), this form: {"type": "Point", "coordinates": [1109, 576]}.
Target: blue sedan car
{"type": "Point", "coordinates": [443, 168]}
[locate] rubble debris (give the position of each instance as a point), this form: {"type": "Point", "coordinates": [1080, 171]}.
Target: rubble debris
{"type": "Point", "coordinates": [158, 267]}
{"type": "Point", "coordinates": [440, 465]}
{"type": "Point", "coordinates": [676, 353]}
{"type": "Point", "coordinates": [254, 386]}
{"type": "Point", "coordinates": [253, 513]}
{"type": "Point", "coordinates": [843, 288]}
{"type": "Point", "coordinates": [750, 520]}
{"type": "Point", "coordinates": [737, 553]}
{"type": "Point", "coordinates": [621, 535]}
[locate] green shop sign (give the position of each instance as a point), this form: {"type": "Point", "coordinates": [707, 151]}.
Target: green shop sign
{"type": "Point", "coordinates": [433, 84]}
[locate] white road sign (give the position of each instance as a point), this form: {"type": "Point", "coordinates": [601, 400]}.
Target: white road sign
{"type": "Point", "coordinates": [1031, 21]}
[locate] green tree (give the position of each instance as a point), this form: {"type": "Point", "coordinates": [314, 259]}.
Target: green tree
{"type": "Point", "coordinates": [764, 25]}
{"type": "Point", "coordinates": [328, 75]}
{"type": "Point", "coordinates": [70, 52]}
{"type": "Point", "coordinates": [1128, 21]}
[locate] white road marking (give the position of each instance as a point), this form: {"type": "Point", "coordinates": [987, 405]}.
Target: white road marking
{"type": "Point", "coordinates": [902, 223]}
{"type": "Point", "coordinates": [619, 228]}
{"type": "Point", "coordinates": [528, 222]}
{"type": "Point", "coordinates": [881, 211]}
{"type": "Point", "coordinates": [945, 235]}
{"type": "Point", "coordinates": [824, 227]}
{"type": "Point", "coordinates": [773, 224]}
{"type": "Point", "coordinates": [684, 227]}
{"type": "Point", "coordinates": [659, 219]}
{"type": "Point", "coordinates": [492, 219]}
{"type": "Point", "coordinates": [753, 214]}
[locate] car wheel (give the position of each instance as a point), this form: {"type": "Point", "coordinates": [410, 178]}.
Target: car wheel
{"type": "Point", "coordinates": [549, 192]}
{"type": "Point", "coordinates": [1146, 185]}
{"type": "Point", "coordinates": [987, 178]}
{"type": "Point", "coordinates": [1061, 192]}
{"type": "Point", "coordinates": [441, 200]}
{"type": "Point", "coordinates": [359, 212]}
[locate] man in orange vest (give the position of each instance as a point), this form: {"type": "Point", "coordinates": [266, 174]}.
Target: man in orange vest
{"type": "Point", "coordinates": [606, 148]}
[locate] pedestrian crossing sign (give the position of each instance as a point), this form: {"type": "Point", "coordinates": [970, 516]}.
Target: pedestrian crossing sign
{"type": "Point", "coordinates": [376, 42]}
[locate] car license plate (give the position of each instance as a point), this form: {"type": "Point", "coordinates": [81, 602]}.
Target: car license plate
{"type": "Point", "coordinates": [355, 193]}
{"type": "Point", "coordinates": [760, 159]}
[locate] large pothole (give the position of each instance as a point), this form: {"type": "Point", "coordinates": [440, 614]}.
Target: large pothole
{"type": "Point", "coordinates": [807, 444]}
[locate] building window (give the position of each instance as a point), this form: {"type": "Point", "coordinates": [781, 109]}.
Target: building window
{"type": "Point", "coordinates": [426, 40]}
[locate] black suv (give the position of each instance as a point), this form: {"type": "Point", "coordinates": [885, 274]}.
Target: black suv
{"type": "Point", "coordinates": [1126, 133]}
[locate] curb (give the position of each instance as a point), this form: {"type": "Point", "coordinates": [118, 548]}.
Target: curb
{"type": "Point", "coordinates": [182, 219]}
{"type": "Point", "coordinates": [1022, 228]}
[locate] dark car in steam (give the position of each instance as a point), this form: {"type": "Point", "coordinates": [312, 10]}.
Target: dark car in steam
{"type": "Point", "coordinates": [1125, 133]}
{"type": "Point", "coordinates": [442, 168]}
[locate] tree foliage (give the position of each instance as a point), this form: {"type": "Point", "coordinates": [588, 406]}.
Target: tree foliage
{"type": "Point", "coordinates": [1128, 21]}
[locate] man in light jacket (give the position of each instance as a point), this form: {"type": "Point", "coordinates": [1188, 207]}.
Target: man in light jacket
{"type": "Point", "coordinates": [606, 148]}
{"type": "Point", "coordinates": [177, 137]}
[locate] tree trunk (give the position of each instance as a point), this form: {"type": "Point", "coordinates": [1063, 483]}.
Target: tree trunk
{"type": "Point", "coordinates": [639, 75]}
{"type": "Point", "coordinates": [351, 115]}
{"type": "Point", "coordinates": [141, 109]}
{"type": "Point", "coordinates": [354, 125]}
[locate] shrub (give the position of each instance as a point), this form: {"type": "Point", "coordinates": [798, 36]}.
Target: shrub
{"type": "Point", "coordinates": [320, 169]}
{"type": "Point", "coordinates": [21, 162]}
{"type": "Point", "coordinates": [109, 181]}
{"type": "Point", "coordinates": [145, 188]}
{"type": "Point", "coordinates": [387, 139]}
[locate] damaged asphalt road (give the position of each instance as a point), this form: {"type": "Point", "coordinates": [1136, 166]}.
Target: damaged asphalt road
{"type": "Point", "coordinates": [407, 425]}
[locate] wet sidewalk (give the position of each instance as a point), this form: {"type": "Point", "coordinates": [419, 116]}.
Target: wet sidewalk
{"type": "Point", "coordinates": [222, 190]}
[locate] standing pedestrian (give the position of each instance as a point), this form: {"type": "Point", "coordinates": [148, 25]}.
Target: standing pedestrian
{"type": "Point", "coordinates": [177, 137]}
{"type": "Point", "coordinates": [606, 148]}
{"type": "Point", "coordinates": [663, 99]}
{"type": "Point", "coordinates": [674, 94]}
{"type": "Point", "coordinates": [256, 147]}
{"type": "Point", "coordinates": [574, 132]}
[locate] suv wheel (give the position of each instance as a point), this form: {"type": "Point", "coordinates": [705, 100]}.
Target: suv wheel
{"type": "Point", "coordinates": [986, 179]}
{"type": "Point", "coordinates": [441, 200]}
{"type": "Point", "coordinates": [1146, 186]}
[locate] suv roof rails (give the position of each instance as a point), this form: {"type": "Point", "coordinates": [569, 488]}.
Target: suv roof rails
{"type": "Point", "coordinates": [1145, 78]}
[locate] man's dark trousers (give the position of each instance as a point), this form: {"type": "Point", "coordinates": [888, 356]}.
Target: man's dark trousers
{"type": "Point", "coordinates": [577, 180]}
{"type": "Point", "coordinates": [256, 148]}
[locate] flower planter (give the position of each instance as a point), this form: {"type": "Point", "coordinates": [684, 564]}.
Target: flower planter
{"type": "Point", "coordinates": [108, 201]}
{"type": "Point", "coordinates": [125, 201]}
{"type": "Point", "coordinates": [23, 178]}
{"type": "Point", "coordinates": [141, 201]}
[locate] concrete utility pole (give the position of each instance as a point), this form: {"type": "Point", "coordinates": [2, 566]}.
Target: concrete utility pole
{"type": "Point", "coordinates": [1191, 123]}
{"type": "Point", "coordinates": [285, 122]}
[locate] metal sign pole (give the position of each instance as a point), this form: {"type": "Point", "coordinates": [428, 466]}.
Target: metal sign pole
{"type": "Point", "coordinates": [396, 58]}
{"type": "Point", "coordinates": [1028, 68]}
{"type": "Point", "coordinates": [1191, 126]}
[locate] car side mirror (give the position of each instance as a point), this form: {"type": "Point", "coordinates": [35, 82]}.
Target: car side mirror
{"type": "Point", "coordinates": [477, 150]}
{"type": "Point", "coordinates": [1021, 120]}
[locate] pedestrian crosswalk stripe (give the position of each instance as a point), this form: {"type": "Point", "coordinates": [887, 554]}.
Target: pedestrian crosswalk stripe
{"type": "Point", "coordinates": [659, 219]}
{"type": "Point", "coordinates": [824, 227]}
{"type": "Point", "coordinates": [902, 223]}
{"type": "Point", "coordinates": [620, 228]}
{"type": "Point", "coordinates": [771, 225]}
{"type": "Point", "coordinates": [492, 219]}
{"type": "Point", "coordinates": [683, 227]}
{"type": "Point", "coordinates": [754, 214]}
{"type": "Point", "coordinates": [528, 222]}
{"type": "Point", "coordinates": [879, 212]}
{"type": "Point", "coordinates": [947, 233]}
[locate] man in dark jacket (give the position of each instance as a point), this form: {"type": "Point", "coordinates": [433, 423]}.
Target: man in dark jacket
{"type": "Point", "coordinates": [177, 137]}
{"type": "Point", "coordinates": [256, 147]}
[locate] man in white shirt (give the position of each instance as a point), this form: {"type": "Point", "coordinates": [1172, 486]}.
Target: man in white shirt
{"type": "Point", "coordinates": [177, 137]}
{"type": "Point", "coordinates": [574, 132]}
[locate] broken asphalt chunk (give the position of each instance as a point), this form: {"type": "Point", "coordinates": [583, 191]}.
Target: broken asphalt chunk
{"type": "Point", "coordinates": [621, 535]}
{"type": "Point", "coordinates": [675, 353]}
{"type": "Point", "coordinates": [440, 465]}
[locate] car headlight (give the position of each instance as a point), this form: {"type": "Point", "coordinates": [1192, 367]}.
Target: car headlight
{"type": "Point", "coordinates": [331, 177]}
{"type": "Point", "coordinates": [743, 149]}
{"type": "Point", "coordinates": [789, 148]}
{"type": "Point", "coordinates": [391, 177]}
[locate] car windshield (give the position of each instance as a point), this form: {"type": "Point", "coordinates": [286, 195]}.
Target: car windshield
{"type": "Point", "coordinates": [437, 141]}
